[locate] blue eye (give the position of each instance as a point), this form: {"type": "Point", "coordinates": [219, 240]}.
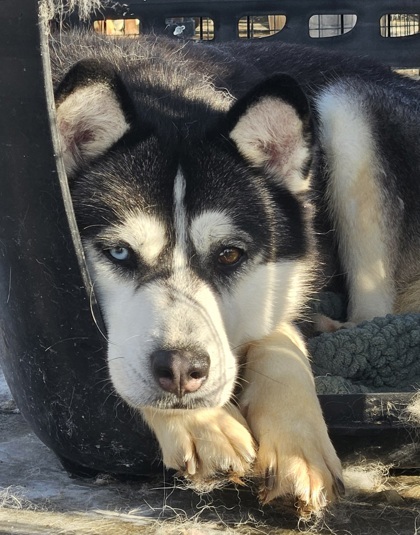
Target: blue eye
{"type": "Point", "coordinates": [119, 253]}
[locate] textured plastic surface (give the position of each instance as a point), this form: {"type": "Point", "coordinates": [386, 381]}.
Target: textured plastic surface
{"type": "Point", "coordinates": [51, 350]}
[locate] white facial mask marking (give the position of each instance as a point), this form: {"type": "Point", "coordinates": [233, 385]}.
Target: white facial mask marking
{"type": "Point", "coordinates": [178, 312]}
{"type": "Point", "coordinates": [180, 223]}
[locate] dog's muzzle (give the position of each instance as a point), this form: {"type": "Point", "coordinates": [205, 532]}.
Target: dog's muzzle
{"type": "Point", "coordinates": [180, 372]}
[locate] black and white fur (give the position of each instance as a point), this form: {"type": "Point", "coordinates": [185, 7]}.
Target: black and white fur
{"type": "Point", "coordinates": [213, 186]}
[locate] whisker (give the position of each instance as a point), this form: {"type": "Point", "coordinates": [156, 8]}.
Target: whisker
{"type": "Point", "coordinates": [92, 301]}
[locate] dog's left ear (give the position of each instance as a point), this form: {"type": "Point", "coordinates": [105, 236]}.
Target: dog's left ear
{"type": "Point", "coordinates": [272, 129]}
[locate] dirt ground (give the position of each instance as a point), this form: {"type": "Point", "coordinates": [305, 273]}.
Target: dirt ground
{"type": "Point", "coordinates": [37, 496]}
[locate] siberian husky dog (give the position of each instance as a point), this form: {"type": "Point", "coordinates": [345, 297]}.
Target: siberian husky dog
{"type": "Point", "coordinates": [213, 187]}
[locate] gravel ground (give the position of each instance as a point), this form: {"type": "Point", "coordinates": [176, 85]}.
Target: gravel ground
{"type": "Point", "coordinates": [37, 496]}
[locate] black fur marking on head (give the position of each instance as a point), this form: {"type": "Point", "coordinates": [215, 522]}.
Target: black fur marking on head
{"type": "Point", "coordinates": [218, 178]}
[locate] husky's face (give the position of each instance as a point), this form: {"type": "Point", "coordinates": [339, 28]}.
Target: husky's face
{"type": "Point", "coordinates": [196, 248]}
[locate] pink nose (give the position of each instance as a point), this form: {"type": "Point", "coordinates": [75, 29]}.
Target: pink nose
{"type": "Point", "coordinates": [180, 371]}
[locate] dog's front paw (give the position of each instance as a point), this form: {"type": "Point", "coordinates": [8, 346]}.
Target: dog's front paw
{"type": "Point", "coordinates": [300, 463]}
{"type": "Point", "coordinates": [207, 446]}
{"type": "Point", "coordinates": [295, 455]}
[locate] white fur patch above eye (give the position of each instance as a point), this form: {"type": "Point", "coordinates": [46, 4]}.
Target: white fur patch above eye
{"type": "Point", "coordinates": [213, 227]}
{"type": "Point", "coordinates": [270, 134]}
{"type": "Point", "coordinates": [180, 222]}
{"type": "Point", "coordinates": [90, 120]}
{"type": "Point", "coordinates": [145, 234]}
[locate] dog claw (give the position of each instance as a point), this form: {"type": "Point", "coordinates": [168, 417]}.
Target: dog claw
{"type": "Point", "coordinates": [236, 479]}
{"type": "Point", "coordinates": [339, 488]}
{"type": "Point", "coordinates": [304, 510]}
{"type": "Point", "coordinates": [249, 457]}
{"type": "Point", "coordinates": [268, 485]}
{"type": "Point", "coordinates": [190, 467]}
{"type": "Point", "coordinates": [270, 479]}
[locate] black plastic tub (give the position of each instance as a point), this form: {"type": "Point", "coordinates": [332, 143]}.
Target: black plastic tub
{"type": "Point", "coordinates": [52, 342]}
{"type": "Point", "coordinates": [52, 350]}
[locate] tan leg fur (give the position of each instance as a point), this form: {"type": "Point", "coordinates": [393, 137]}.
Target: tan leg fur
{"type": "Point", "coordinates": [295, 455]}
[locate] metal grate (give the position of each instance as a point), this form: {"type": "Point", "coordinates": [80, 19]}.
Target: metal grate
{"type": "Point", "coordinates": [331, 25]}
{"type": "Point", "coordinates": [259, 26]}
{"type": "Point", "coordinates": [118, 27]}
{"type": "Point", "coordinates": [399, 24]}
{"type": "Point", "coordinates": [196, 28]}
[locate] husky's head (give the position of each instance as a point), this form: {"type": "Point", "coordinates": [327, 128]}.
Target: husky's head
{"type": "Point", "coordinates": [198, 245]}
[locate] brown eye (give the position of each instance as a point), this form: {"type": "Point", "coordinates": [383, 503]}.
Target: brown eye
{"type": "Point", "coordinates": [230, 256]}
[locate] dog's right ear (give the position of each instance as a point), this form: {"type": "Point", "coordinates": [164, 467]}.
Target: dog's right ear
{"type": "Point", "coordinates": [94, 111]}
